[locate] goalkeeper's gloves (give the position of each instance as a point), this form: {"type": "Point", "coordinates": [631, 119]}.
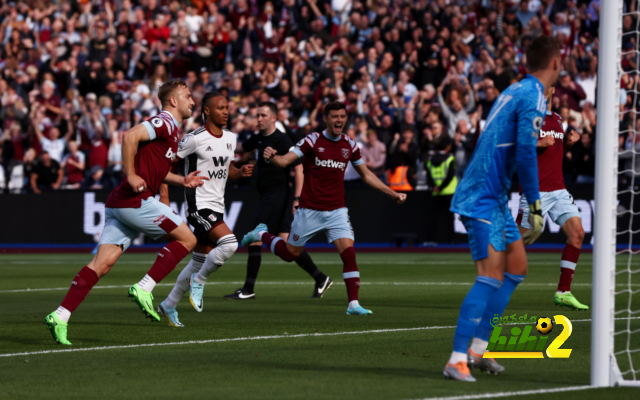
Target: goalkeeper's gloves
{"type": "Point", "coordinates": [536, 221]}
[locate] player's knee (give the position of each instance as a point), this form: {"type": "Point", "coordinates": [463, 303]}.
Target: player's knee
{"type": "Point", "coordinates": [189, 242]}
{"type": "Point", "coordinates": [577, 236]}
{"type": "Point", "coordinates": [227, 246]}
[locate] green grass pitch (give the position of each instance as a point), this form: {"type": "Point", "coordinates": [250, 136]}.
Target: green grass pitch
{"type": "Point", "coordinates": [373, 357]}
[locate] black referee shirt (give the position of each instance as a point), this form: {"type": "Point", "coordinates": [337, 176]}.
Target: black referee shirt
{"type": "Point", "coordinates": [268, 175]}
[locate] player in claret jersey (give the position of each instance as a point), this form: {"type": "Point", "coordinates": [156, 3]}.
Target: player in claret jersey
{"type": "Point", "coordinates": [322, 207]}
{"type": "Point", "coordinates": [147, 152]}
{"type": "Point", "coordinates": [556, 201]}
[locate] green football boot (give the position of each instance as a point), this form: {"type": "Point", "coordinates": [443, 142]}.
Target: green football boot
{"type": "Point", "coordinates": [568, 300]}
{"type": "Point", "coordinates": [57, 327]}
{"type": "Point", "coordinates": [144, 300]}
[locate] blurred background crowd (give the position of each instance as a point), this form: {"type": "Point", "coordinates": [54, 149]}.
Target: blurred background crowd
{"type": "Point", "coordinates": [419, 78]}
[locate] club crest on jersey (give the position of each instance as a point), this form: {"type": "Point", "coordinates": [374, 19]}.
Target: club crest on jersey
{"type": "Point", "coordinates": [345, 153]}
{"type": "Point", "coordinates": [157, 122]}
{"type": "Point", "coordinates": [296, 237]}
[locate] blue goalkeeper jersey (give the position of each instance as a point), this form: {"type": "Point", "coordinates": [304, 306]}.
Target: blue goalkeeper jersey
{"type": "Point", "coordinates": [507, 142]}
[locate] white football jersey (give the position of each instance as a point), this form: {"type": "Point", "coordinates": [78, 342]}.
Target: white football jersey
{"type": "Point", "coordinates": [212, 156]}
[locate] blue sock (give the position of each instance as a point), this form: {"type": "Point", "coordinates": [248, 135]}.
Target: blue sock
{"type": "Point", "coordinates": [497, 304]}
{"type": "Point", "coordinates": [472, 310]}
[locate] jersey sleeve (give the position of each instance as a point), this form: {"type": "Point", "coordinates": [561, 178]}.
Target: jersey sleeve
{"type": "Point", "coordinates": [187, 146]}
{"type": "Point", "coordinates": [303, 146]}
{"type": "Point", "coordinates": [356, 155]}
{"type": "Point", "coordinates": [530, 120]}
{"type": "Point", "coordinates": [157, 128]}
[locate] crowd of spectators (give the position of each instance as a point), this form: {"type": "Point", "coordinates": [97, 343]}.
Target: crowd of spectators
{"type": "Point", "coordinates": [76, 74]}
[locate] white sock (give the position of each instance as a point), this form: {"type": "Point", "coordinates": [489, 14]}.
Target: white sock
{"type": "Point", "coordinates": [226, 247]}
{"type": "Point", "coordinates": [561, 292]}
{"type": "Point", "coordinates": [147, 284]}
{"type": "Point", "coordinates": [182, 283]}
{"type": "Point", "coordinates": [479, 346]}
{"type": "Point", "coordinates": [456, 357]}
{"type": "Point", "coordinates": [63, 314]}
{"type": "Point", "coordinates": [354, 304]}
{"type": "Point", "coordinates": [259, 236]}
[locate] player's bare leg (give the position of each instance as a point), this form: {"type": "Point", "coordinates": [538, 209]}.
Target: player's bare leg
{"type": "Point", "coordinates": [87, 277]}
{"type": "Point", "coordinates": [181, 242]}
{"type": "Point", "coordinates": [490, 275]}
{"type": "Point", "coordinates": [575, 235]}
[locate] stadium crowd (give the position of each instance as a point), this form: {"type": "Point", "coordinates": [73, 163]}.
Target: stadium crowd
{"type": "Point", "coordinates": [418, 77]}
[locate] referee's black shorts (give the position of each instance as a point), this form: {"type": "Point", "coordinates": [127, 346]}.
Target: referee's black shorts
{"type": "Point", "coordinates": [276, 210]}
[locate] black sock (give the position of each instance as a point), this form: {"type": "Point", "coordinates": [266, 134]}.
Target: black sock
{"type": "Point", "coordinates": [306, 263]}
{"type": "Point", "coordinates": [253, 266]}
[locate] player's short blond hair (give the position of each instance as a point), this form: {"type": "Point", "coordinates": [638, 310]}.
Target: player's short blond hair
{"type": "Point", "coordinates": [166, 90]}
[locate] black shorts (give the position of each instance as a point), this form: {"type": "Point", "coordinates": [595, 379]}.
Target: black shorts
{"type": "Point", "coordinates": [204, 221]}
{"type": "Point", "coordinates": [276, 210]}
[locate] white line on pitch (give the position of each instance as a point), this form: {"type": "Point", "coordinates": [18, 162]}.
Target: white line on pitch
{"type": "Point", "coordinates": [238, 339]}
{"type": "Point", "coordinates": [507, 394]}
{"type": "Point", "coordinates": [305, 283]}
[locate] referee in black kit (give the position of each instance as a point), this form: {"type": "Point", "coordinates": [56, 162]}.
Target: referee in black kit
{"type": "Point", "coordinates": [277, 202]}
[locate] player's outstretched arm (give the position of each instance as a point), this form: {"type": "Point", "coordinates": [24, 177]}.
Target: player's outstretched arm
{"type": "Point", "coordinates": [190, 181]}
{"type": "Point", "coordinates": [243, 172]}
{"type": "Point", "coordinates": [279, 161]}
{"type": "Point", "coordinates": [130, 140]}
{"type": "Point", "coordinates": [372, 180]}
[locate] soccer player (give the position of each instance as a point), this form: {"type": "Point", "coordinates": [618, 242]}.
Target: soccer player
{"type": "Point", "coordinates": [277, 203]}
{"type": "Point", "coordinates": [507, 143]}
{"type": "Point", "coordinates": [322, 207]}
{"type": "Point", "coordinates": [209, 148]}
{"type": "Point", "coordinates": [557, 201]}
{"type": "Point", "coordinates": [147, 153]}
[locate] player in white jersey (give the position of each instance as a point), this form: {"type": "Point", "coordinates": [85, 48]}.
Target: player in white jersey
{"type": "Point", "coordinates": [210, 149]}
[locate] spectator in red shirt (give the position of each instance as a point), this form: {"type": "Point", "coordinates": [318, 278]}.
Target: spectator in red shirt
{"type": "Point", "coordinates": [73, 166]}
{"type": "Point", "coordinates": [49, 100]}
{"type": "Point", "coordinates": [158, 30]}
{"type": "Point", "coordinates": [569, 92]}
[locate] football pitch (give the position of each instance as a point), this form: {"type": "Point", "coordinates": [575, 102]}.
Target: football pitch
{"type": "Point", "coordinates": [283, 345]}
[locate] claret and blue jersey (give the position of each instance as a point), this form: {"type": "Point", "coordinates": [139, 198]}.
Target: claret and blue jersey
{"type": "Point", "coordinates": [508, 142]}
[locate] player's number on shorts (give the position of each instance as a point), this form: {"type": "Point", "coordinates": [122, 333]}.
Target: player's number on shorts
{"type": "Point", "coordinates": [554, 350]}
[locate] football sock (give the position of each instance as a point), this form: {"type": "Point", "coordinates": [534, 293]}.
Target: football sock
{"type": "Point", "coordinates": [350, 273]}
{"type": "Point", "coordinates": [568, 263]}
{"type": "Point", "coordinates": [226, 246]}
{"type": "Point", "coordinates": [63, 314]}
{"type": "Point", "coordinates": [277, 246]}
{"type": "Point", "coordinates": [182, 283]}
{"type": "Point", "coordinates": [497, 304]}
{"type": "Point", "coordinates": [479, 346]}
{"type": "Point", "coordinates": [147, 283]}
{"type": "Point", "coordinates": [253, 266]}
{"type": "Point", "coordinates": [471, 311]}
{"type": "Point", "coordinates": [80, 287]}
{"type": "Point", "coordinates": [456, 357]}
{"type": "Point", "coordinates": [306, 263]}
{"type": "Point", "coordinates": [168, 258]}
{"type": "Point", "coordinates": [354, 304]}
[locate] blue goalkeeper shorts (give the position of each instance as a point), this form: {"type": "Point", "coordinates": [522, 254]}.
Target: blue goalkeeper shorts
{"type": "Point", "coordinates": [500, 231]}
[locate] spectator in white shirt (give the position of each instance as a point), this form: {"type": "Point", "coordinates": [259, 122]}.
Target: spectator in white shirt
{"type": "Point", "coordinates": [54, 145]}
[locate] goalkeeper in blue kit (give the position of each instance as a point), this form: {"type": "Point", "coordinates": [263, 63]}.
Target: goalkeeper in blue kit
{"type": "Point", "coordinates": [507, 143]}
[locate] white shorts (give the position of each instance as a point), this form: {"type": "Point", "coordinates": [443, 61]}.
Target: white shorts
{"type": "Point", "coordinates": [306, 223]}
{"type": "Point", "coordinates": [558, 204]}
{"type": "Point", "coordinates": [153, 218]}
